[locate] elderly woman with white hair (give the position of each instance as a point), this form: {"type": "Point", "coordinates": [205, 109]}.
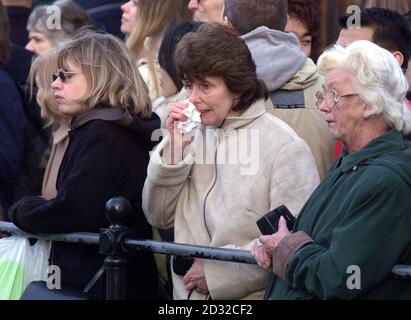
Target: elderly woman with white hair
{"type": "Point", "coordinates": [357, 224]}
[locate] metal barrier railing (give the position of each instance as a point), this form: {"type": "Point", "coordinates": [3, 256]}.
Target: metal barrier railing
{"type": "Point", "coordinates": [116, 241]}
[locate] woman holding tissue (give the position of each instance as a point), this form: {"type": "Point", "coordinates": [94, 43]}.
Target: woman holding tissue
{"type": "Point", "coordinates": [213, 183]}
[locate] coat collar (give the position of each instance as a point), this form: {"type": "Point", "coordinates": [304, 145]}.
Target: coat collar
{"type": "Point", "coordinates": [101, 113]}
{"type": "Point", "coordinates": [61, 133]}
{"type": "Point", "coordinates": [391, 141]}
{"type": "Point", "coordinates": [256, 110]}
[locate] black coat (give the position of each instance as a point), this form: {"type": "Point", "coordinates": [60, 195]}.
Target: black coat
{"type": "Point", "coordinates": [12, 133]}
{"type": "Point", "coordinates": [18, 18]}
{"type": "Point", "coordinates": [19, 64]}
{"type": "Point", "coordinates": [103, 160]}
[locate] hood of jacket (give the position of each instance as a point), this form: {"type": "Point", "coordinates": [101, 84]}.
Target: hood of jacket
{"type": "Point", "coordinates": [306, 77]}
{"type": "Point", "coordinates": [126, 117]}
{"type": "Point", "coordinates": [277, 55]}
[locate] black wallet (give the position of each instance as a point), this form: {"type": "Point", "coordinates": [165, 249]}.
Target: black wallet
{"type": "Point", "coordinates": [268, 224]}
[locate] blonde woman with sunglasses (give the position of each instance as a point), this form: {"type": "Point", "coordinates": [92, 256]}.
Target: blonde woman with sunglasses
{"type": "Point", "coordinates": [107, 156]}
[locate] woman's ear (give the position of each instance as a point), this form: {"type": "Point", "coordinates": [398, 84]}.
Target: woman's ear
{"type": "Point", "coordinates": [236, 100]}
{"type": "Point", "coordinates": [368, 111]}
{"type": "Point", "coordinates": [399, 56]}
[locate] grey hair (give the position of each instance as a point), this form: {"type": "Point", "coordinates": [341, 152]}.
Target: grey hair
{"type": "Point", "coordinates": [72, 18]}
{"type": "Point", "coordinates": [377, 78]}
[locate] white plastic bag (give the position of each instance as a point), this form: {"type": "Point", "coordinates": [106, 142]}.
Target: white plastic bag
{"type": "Point", "coordinates": [21, 264]}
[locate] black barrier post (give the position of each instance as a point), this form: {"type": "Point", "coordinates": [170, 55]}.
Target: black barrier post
{"type": "Point", "coordinates": [118, 213]}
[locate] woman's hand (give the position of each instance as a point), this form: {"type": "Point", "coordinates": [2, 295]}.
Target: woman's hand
{"type": "Point", "coordinates": [263, 252]}
{"type": "Point", "coordinates": [262, 257]}
{"type": "Point", "coordinates": [178, 141]}
{"type": "Point", "coordinates": [195, 278]}
{"type": "Point", "coordinates": [175, 115]}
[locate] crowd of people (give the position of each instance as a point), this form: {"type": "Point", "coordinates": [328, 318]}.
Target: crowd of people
{"type": "Point", "coordinates": [253, 113]}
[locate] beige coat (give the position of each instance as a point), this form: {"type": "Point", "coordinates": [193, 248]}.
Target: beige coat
{"type": "Point", "coordinates": [217, 200]}
{"type": "Point", "coordinates": [309, 122]}
{"type": "Point", "coordinates": [60, 143]}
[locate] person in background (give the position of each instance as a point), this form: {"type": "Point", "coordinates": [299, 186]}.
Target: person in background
{"type": "Point", "coordinates": [384, 27]}
{"type": "Point", "coordinates": [18, 65]}
{"type": "Point", "coordinates": [400, 6]}
{"type": "Point", "coordinates": [210, 193]}
{"type": "Point", "coordinates": [363, 206]}
{"type": "Point", "coordinates": [41, 37]}
{"type": "Point", "coordinates": [145, 22]}
{"type": "Point", "coordinates": [207, 10]}
{"type": "Point", "coordinates": [170, 82]}
{"type": "Point", "coordinates": [41, 74]}
{"type": "Point", "coordinates": [12, 121]}
{"type": "Point", "coordinates": [105, 158]}
{"type": "Point", "coordinates": [18, 12]}
{"type": "Point", "coordinates": [104, 14]}
{"type": "Point", "coordinates": [293, 81]}
{"type": "Point", "coordinates": [304, 20]}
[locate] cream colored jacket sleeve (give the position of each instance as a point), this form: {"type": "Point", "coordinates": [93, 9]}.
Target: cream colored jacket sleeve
{"type": "Point", "coordinates": [163, 186]}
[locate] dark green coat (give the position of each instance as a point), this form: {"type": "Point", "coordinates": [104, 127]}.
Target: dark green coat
{"type": "Point", "coordinates": [359, 215]}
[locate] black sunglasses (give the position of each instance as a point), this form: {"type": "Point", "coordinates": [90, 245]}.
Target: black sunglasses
{"type": "Point", "coordinates": [63, 75]}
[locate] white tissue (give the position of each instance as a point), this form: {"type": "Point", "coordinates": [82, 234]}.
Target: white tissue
{"type": "Point", "coordinates": [193, 121]}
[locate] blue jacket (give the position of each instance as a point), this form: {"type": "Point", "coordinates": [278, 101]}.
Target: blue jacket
{"type": "Point", "coordinates": [12, 132]}
{"type": "Point", "coordinates": [18, 66]}
{"type": "Point", "coordinates": [105, 14]}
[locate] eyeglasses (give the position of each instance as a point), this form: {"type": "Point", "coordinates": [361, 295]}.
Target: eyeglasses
{"type": "Point", "coordinates": [63, 75]}
{"type": "Point", "coordinates": [331, 97]}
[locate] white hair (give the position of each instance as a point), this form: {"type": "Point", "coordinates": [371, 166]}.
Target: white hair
{"type": "Point", "coordinates": [377, 78]}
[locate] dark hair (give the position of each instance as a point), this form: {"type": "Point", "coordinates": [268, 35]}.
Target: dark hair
{"type": "Point", "coordinates": [391, 30]}
{"type": "Point", "coordinates": [168, 47]}
{"type": "Point", "coordinates": [247, 15]}
{"type": "Point", "coordinates": [308, 12]}
{"type": "Point", "coordinates": [4, 36]}
{"type": "Point", "coordinates": [407, 18]}
{"type": "Point", "coordinates": [215, 50]}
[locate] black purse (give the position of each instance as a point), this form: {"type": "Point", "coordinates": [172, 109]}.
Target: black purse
{"type": "Point", "coordinates": [38, 290]}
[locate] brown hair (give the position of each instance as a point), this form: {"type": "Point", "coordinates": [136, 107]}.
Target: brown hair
{"type": "Point", "coordinates": [215, 50]}
{"type": "Point", "coordinates": [247, 15]}
{"type": "Point", "coordinates": [110, 70]}
{"type": "Point", "coordinates": [4, 35]}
